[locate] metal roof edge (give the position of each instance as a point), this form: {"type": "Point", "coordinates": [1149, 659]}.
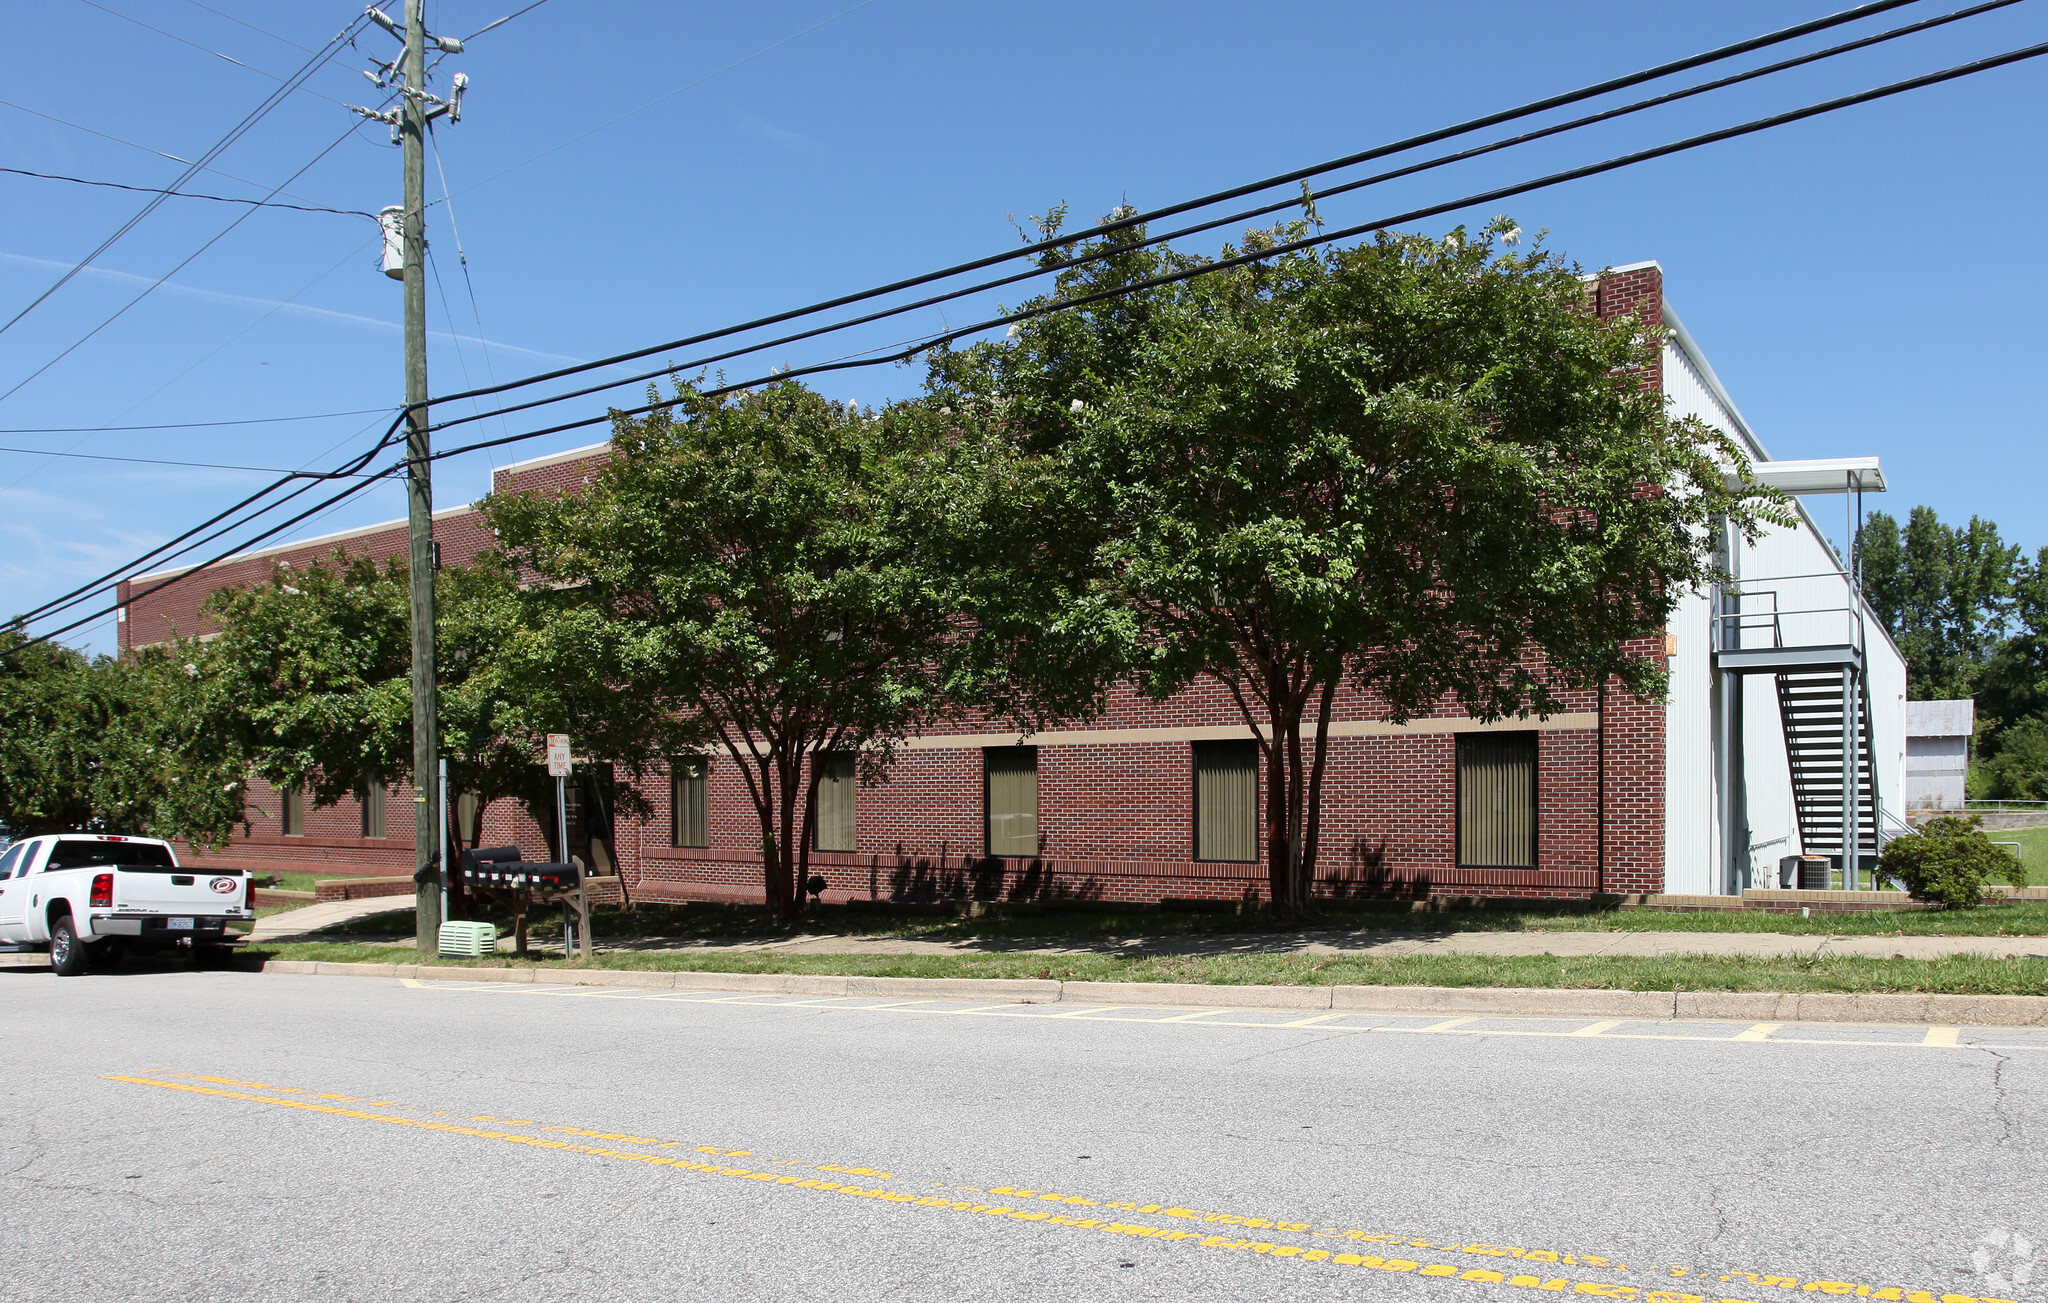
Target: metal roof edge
{"type": "Point", "coordinates": [550, 459]}
{"type": "Point", "coordinates": [1693, 354]}
{"type": "Point", "coordinates": [1627, 266]}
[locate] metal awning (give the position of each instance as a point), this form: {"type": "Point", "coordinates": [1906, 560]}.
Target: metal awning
{"type": "Point", "coordinates": [1820, 475]}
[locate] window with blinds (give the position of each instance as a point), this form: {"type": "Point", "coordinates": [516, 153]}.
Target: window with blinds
{"type": "Point", "coordinates": [291, 812]}
{"type": "Point", "coordinates": [689, 816]}
{"type": "Point", "coordinates": [468, 816]}
{"type": "Point", "coordinates": [372, 797]}
{"type": "Point", "coordinates": [836, 785]}
{"type": "Point", "coordinates": [1497, 800]}
{"type": "Point", "coordinates": [1227, 801]}
{"type": "Point", "coordinates": [1010, 795]}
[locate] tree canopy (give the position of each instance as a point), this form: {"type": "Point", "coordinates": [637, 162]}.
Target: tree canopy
{"type": "Point", "coordinates": [759, 571]}
{"type": "Point", "coordinates": [1969, 612]}
{"type": "Point", "coordinates": [1418, 466]}
{"type": "Point", "coordinates": [113, 745]}
{"type": "Point", "coordinates": [313, 670]}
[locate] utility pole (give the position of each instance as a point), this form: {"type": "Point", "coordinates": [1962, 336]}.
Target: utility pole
{"type": "Point", "coordinates": [416, 108]}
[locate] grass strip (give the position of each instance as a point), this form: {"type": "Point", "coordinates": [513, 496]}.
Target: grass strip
{"type": "Point", "coordinates": [1956, 974]}
{"type": "Point", "coordinates": [704, 922]}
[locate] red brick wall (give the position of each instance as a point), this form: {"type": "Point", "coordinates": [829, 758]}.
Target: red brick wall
{"type": "Point", "coordinates": [1115, 818]}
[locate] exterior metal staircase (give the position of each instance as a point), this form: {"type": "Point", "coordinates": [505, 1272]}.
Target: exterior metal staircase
{"type": "Point", "coordinates": [1810, 703]}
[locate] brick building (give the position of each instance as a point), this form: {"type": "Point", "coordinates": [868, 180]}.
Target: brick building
{"type": "Point", "coordinates": [1158, 800]}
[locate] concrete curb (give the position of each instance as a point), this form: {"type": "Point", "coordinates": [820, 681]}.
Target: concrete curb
{"type": "Point", "coordinates": [1759, 1006]}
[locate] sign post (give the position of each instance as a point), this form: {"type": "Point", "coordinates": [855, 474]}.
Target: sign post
{"type": "Point", "coordinates": [559, 766]}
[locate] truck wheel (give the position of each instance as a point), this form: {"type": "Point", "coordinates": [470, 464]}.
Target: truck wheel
{"type": "Point", "coordinates": [208, 956]}
{"type": "Point", "coordinates": [67, 952]}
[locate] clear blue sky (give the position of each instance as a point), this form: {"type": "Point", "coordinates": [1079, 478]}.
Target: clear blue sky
{"type": "Point", "coordinates": [1865, 283]}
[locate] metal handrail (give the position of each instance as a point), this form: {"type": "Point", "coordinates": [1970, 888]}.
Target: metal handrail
{"type": "Point", "coordinates": [1775, 579]}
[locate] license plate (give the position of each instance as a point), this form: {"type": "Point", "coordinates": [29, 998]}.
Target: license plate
{"type": "Point", "coordinates": [179, 924]}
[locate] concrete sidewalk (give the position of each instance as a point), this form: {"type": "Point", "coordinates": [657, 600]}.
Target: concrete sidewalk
{"type": "Point", "coordinates": [1388, 944]}
{"type": "Point", "coordinates": [297, 924]}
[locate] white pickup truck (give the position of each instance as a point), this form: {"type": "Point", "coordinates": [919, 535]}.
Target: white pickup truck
{"type": "Point", "coordinates": [91, 897]}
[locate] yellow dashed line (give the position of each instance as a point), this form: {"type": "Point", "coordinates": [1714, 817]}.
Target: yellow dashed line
{"type": "Point", "coordinates": [1597, 1028]}
{"type": "Point", "coordinates": [1444, 1026]}
{"type": "Point", "coordinates": [1765, 1033]}
{"type": "Point", "coordinates": [1318, 1018]}
{"type": "Point", "coordinates": [1609, 1289]}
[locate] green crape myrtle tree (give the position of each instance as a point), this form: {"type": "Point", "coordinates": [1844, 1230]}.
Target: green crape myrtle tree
{"type": "Point", "coordinates": [762, 573]}
{"type": "Point", "coordinates": [313, 675]}
{"type": "Point", "coordinates": [113, 745]}
{"type": "Point", "coordinates": [1418, 466]}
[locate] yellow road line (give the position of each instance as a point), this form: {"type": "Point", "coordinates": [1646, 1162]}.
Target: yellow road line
{"type": "Point", "coordinates": [1319, 1018]}
{"type": "Point", "coordinates": [1180, 1231]}
{"type": "Point", "coordinates": [1172, 1234]}
{"type": "Point", "coordinates": [1446, 1025]}
{"type": "Point", "coordinates": [1594, 1029]}
{"type": "Point", "coordinates": [1940, 1036]}
{"type": "Point", "coordinates": [1213, 1018]}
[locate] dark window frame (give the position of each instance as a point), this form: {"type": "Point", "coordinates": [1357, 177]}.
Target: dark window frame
{"type": "Point", "coordinates": [702, 799]}
{"type": "Point", "coordinates": [987, 810]}
{"type": "Point", "coordinates": [374, 807]}
{"type": "Point", "coordinates": [1195, 750]}
{"type": "Point", "coordinates": [826, 764]}
{"type": "Point", "coordinates": [1535, 798]}
{"type": "Point", "coordinates": [291, 811]}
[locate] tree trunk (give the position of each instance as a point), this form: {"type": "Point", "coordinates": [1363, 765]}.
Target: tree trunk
{"type": "Point", "coordinates": [803, 859]}
{"type": "Point", "coordinates": [788, 780]}
{"type": "Point", "coordinates": [1284, 808]}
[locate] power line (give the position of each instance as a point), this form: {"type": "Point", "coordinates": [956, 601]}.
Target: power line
{"type": "Point", "coordinates": [1127, 221]}
{"type": "Point", "coordinates": [219, 147]}
{"type": "Point", "coordinates": [462, 257]}
{"type": "Point", "coordinates": [157, 461]}
{"type": "Point", "coordinates": [251, 26]}
{"type": "Point", "coordinates": [197, 46]}
{"type": "Point", "coordinates": [1434, 210]}
{"type": "Point", "coordinates": [170, 549]}
{"type": "Point", "coordinates": [213, 561]}
{"type": "Point", "coordinates": [185, 425]}
{"type": "Point", "coordinates": [275, 308]}
{"type": "Point", "coordinates": [103, 135]}
{"type": "Point", "coordinates": [1217, 265]}
{"type": "Point", "coordinates": [187, 194]}
{"type": "Point", "coordinates": [1133, 219]}
{"type": "Point", "coordinates": [488, 26]}
{"type": "Point", "coordinates": [151, 287]}
{"type": "Point", "coordinates": [1228, 220]}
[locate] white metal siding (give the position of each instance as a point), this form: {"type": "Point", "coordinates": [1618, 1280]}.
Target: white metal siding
{"type": "Point", "coordinates": [1691, 847]}
{"type": "Point", "coordinates": [1811, 611]}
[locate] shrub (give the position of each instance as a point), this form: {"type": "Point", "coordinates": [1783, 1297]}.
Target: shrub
{"type": "Point", "coordinates": [1948, 862]}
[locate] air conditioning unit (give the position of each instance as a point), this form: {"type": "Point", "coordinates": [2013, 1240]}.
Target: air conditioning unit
{"type": "Point", "coordinates": [469, 940]}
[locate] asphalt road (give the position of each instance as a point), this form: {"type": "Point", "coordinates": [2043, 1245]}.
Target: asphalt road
{"type": "Point", "coordinates": [176, 1135]}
